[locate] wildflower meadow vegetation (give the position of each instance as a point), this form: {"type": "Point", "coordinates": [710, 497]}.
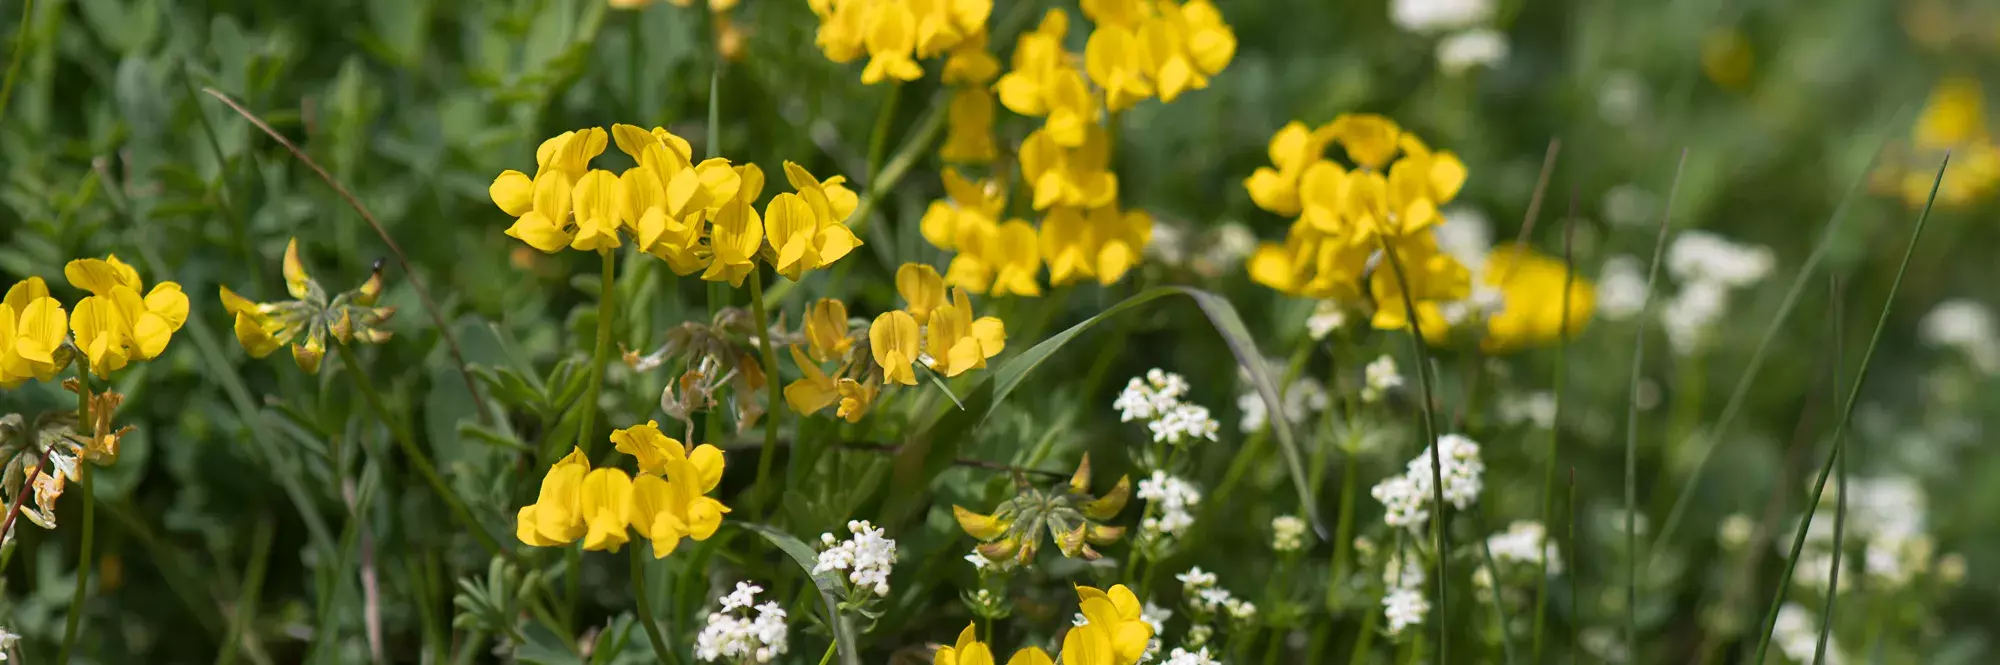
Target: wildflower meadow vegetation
{"type": "Point", "coordinates": [971, 332]}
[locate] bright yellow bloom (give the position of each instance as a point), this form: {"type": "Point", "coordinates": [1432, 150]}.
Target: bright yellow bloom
{"type": "Point", "coordinates": [542, 204]}
{"type": "Point", "coordinates": [596, 210]}
{"type": "Point", "coordinates": [956, 342]}
{"type": "Point", "coordinates": [1004, 259]}
{"type": "Point", "coordinates": [981, 527]}
{"type": "Point", "coordinates": [1531, 292]}
{"type": "Point", "coordinates": [606, 499]}
{"type": "Point", "coordinates": [826, 330]}
{"type": "Point", "coordinates": [893, 340]}
{"type": "Point", "coordinates": [897, 33]}
{"type": "Point", "coordinates": [738, 232]}
{"type": "Point", "coordinates": [1077, 177]}
{"type": "Point", "coordinates": [856, 398]}
{"type": "Point", "coordinates": [556, 516]}
{"type": "Point", "coordinates": [943, 25]}
{"type": "Point", "coordinates": [921, 288]}
{"type": "Point", "coordinates": [1031, 656]}
{"type": "Point", "coordinates": [1370, 140]}
{"type": "Point", "coordinates": [1434, 277]}
{"type": "Point", "coordinates": [842, 27]}
{"type": "Point", "coordinates": [1103, 243]}
{"type": "Point", "coordinates": [667, 500]}
{"type": "Point", "coordinates": [808, 230]}
{"type": "Point", "coordinates": [665, 200]}
{"type": "Point", "coordinates": [114, 325]}
{"type": "Point", "coordinates": [1292, 149]}
{"type": "Point", "coordinates": [1114, 620]}
{"type": "Point", "coordinates": [814, 390]}
{"type": "Point", "coordinates": [32, 328]}
{"type": "Point", "coordinates": [970, 64]}
{"type": "Point", "coordinates": [968, 651]}
{"type": "Point", "coordinates": [1188, 43]}
{"type": "Point", "coordinates": [968, 135]}
{"type": "Point", "coordinates": [1044, 82]}
{"type": "Point", "coordinates": [890, 39]}
{"type": "Point", "coordinates": [969, 207]}
{"type": "Point", "coordinates": [1312, 263]}
{"type": "Point", "coordinates": [1117, 13]}
{"type": "Point", "coordinates": [1119, 63]}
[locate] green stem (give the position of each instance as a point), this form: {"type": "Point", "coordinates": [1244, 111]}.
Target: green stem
{"type": "Point", "coordinates": [645, 602]}
{"type": "Point", "coordinates": [1364, 638]}
{"type": "Point", "coordinates": [418, 460]}
{"type": "Point", "coordinates": [1632, 421]}
{"type": "Point", "coordinates": [14, 62]}
{"type": "Point", "coordinates": [828, 656]}
{"type": "Point", "coordinates": [253, 585]}
{"type": "Point", "coordinates": [1555, 440]}
{"type": "Point", "coordinates": [1439, 541]}
{"type": "Point", "coordinates": [878, 142]}
{"type": "Point", "coordinates": [1343, 530]}
{"type": "Point", "coordinates": [83, 556]}
{"type": "Point", "coordinates": [775, 408]}
{"type": "Point", "coordinates": [607, 305]}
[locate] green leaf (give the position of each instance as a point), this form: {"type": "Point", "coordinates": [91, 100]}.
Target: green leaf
{"type": "Point", "coordinates": [830, 587]}
{"type": "Point", "coordinates": [930, 450]}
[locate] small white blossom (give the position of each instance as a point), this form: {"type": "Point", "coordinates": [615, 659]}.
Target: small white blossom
{"type": "Point", "coordinates": [1700, 256]}
{"type": "Point", "coordinates": [1537, 408]}
{"type": "Point", "coordinates": [1184, 423]}
{"type": "Point", "coordinates": [1735, 531]}
{"type": "Point", "coordinates": [1796, 633]}
{"type": "Point", "coordinates": [1225, 249]}
{"type": "Point", "coordinates": [1438, 15]}
{"type": "Point", "coordinates": [1184, 657]}
{"type": "Point", "coordinates": [1381, 377]}
{"type": "Point", "coordinates": [867, 557]}
{"type": "Point", "coordinates": [1459, 465]}
{"type": "Point", "coordinates": [1156, 618]}
{"type": "Point", "coordinates": [1199, 634]}
{"type": "Point", "coordinates": [1404, 506]}
{"type": "Point", "coordinates": [1621, 289]}
{"type": "Point", "coordinates": [1153, 396]}
{"type": "Point", "coordinates": [1288, 533]}
{"type": "Point", "coordinates": [1691, 315]}
{"type": "Point", "coordinates": [1967, 327]}
{"type": "Point", "coordinates": [1196, 579]}
{"type": "Point", "coordinates": [1404, 608]}
{"type": "Point", "coordinates": [734, 635]}
{"type": "Point", "coordinates": [1174, 499]}
{"type": "Point", "coordinates": [1327, 316]}
{"type": "Point", "coordinates": [1525, 542]}
{"type": "Point", "coordinates": [1472, 48]}
{"type": "Point", "coordinates": [1303, 398]}
{"type": "Point", "coordinates": [8, 640]}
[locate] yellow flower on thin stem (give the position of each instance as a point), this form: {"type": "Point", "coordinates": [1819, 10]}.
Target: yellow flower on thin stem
{"type": "Point", "coordinates": [967, 651]}
{"type": "Point", "coordinates": [737, 232]}
{"type": "Point", "coordinates": [607, 508]}
{"type": "Point", "coordinates": [894, 342]}
{"type": "Point", "coordinates": [114, 325]}
{"type": "Point", "coordinates": [556, 516]}
{"type": "Point", "coordinates": [1292, 149]}
{"type": "Point", "coordinates": [808, 230]}
{"type": "Point", "coordinates": [541, 205]}
{"type": "Point", "coordinates": [856, 398]}
{"type": "Point", "coordinates": [814, 390]}
{"type": "Point", "coordinates": [33, 326]}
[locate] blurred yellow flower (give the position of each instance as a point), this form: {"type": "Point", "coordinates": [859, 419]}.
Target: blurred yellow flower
{"type": "Point", "coordinates": [1726, 58]}
{"type": "Point", "coordinates": [33, 326]}
{"type": "Point", "coordinates": [969, 128]}
{"type": "Point", "coordinates": [826, 329]}
{"type": "Point", "coordinates": [922, 290]}
{"type": "Point", "coordinates": [895, 34]}
{"type": "Point", "coordinates": [1045, 83]}
{"type": "Point", "coordinates": [1078, 176]}
{"type": "Point", "coordinates": [1369, 139]}
{"type": "Point", "coordinates": [114, 325]}
{"type": "Point", "coordinates": [1292, 149]}
{"type": "Point", "coordinates": [1433, 277]}
{"type": "Point", "coordinates": [970, 64]}
{"type": "Point", "coordinates": [894, 342]}
{"type": "Point", "coordinates": [968, 651]}
{"type": "Point", "coordinates": [1189, 44]}
{"type": "Point", "coordinates": [1953, 119]}
{"type": "Point", "coordinates": [1531, 292]}
{"type": "Point", "coordinates": [1102, 243]}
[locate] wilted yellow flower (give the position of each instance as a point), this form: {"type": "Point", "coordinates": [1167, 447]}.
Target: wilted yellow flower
{"type": "Point", "coordinates": [894, 342]}
{"type": "Point", "coordinates": [922, 290]}
{"type": "Point", "coordinates": [556, 516]}
{"type": "Point", "coordinates": [1531, 292]}
{"type": "Point", "coordinates": [113, 325]}
{"type": "Point", "coordinates": [968, 651]}
{"type": "Point", "coordinates": [956, 342]}
{"type": "Point", "coordinates": [826, 329]}
{"type": "Point", "coordinates": [33, 326]}
{"type": "Point", "coordinates": [969, 128]}
{"type": "Point", "coordinates": [1114, 631]}
{"type": "Point", "coordinates": [541, 205]}
{"type": "Point", "coordinates": [1067, 511]}
{"type": "Point", "coordinates": [310, 317]}
{"type": "Point", "coordinates": [737, 232]}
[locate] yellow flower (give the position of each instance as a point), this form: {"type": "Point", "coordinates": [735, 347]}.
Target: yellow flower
{"type": "Point", "coordinates": [969, 207]}
{"type": "Point", "coordinates": [596, 198]}
{"type": "Point", "coordinates": [814, 390]}
{"type": "Point", "coordinates": [1031, 656]}
{"type": "Point", "coordinates": [968, 651]}
{"type": "Point", "coordinates": [981, 527]}
{"type": "Point", "coordinates": [1118, 62]}
{"type": "Point", "coordinates": [114, 325]}
{"type": "Point", "coordinates": [1292, 150]}
{"type": "Point", "coordinates": [842, 27]}
{"type": "Point", "coordinates": [556, 516]}
{"type": "Point", "coordinates": [1434, 277]}
{"type": "Point", "coordinates": [1189, 44]}
{"type": "Point", "coordinates": [666, 501]}
{"type": "Point", "coordinates": [1954, 115]}
{"type": "Point", "coordinates": [1531, 292]}
{"type": "Point", "coordinates": [1045, 83]}
{"type": "Point", "coordinates": [921, 288]}
{"type": "Point", "coordinates": [1076, 176]}
{"type": "Point", "coordinates": [32, 328]}
{"type": "Point", "coordinates": [969, 130]}
{"type": "Point", "coordinates": [1104, 243]}
{"type": "Point", "coordinates": [737, 232]}
{"type": "Point", "coordinates": [956, 342]}
{"type": "Point", "coordinates": [1726, 58]}
{"type": "Point", "coordinates": [309, 317]}
{"type": "Point", "coordinates": [945, 24]}
{"type": "Point", "coordinates": [1370, 140]}
{"type": "Point", "coordinates": [826, 330]}
{"type": "Point", "coordinates": [890, 39]}
{"type": "Point", "coordinates": [893, 341]}
{"type": "Point", "coordinates": [606, 499]}
{"type": "Point", "coordinates": [808, 230]}
{"type": "Point", "coordinates": [1312, 263]}
{"type": "Point", "coordinates": [1117, 13]}
{"type": "Point", "coordinates": [542, 204]}
{"type": "Point", "coordinates": [970, 64]}
{"type": "Point", "coordinates": [856, 398]}
{"type": "Point", "coordinates": [665, 200]}
{"type": "Point", "coordinates": [1011, 255]}
{"type": "Point", "coordinates": [1115, 631]}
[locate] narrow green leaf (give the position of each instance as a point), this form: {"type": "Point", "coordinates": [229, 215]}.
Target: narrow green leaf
{"type": "Point", "coordinates": [1632, 555]}
{"type": "Point", "coordinates": [829, 585]}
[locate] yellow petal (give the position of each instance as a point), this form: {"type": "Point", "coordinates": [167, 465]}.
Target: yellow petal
{"type": "Point", "coordinates": [922, 290]}
{"type": "Point", "coordinates": [607, 508]}
{"type": "Point", "coordinates": [167, 301]}
{"type": "Point", "coordinates": [708, 462]}
{"type": "Point", "coordinates": [96, 276]}
{"type": "Point", "coordinates": [514, 192]}
{"type": "Point", "coordinates": [1030, 656]}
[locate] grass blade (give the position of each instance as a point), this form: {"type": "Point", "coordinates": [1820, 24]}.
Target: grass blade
{"type": "Point", "coordinates": [1439, 541]}
{"type": "Point", "coordinates": [1840, 489]}
{"type": "Point", "coordinates": [1555, 427]}
{"type": "Point", "coordinates": [1632, 420]}
{"type": "Point", "coordinates": [1846, 414]}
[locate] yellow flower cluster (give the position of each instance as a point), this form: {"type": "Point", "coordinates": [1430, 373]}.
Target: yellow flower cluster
{"type": "Point", "coordinates": [941, 333]}
{"type": "Point", "coordinates": [309, 317]}
{"type": "Point", "coordinates": [1954, 119]}
{"type": "Point", "coordinates": [33, 326]}
{"type": "Point", "coordinates": [1389, 198]}
{"type": "Point", "coordinates": [664, 503]}
{"type": "Point", "coordinates": [827, 333]}
{"type": "Point", "coordinates": [1113, 633]}
{"type": "Point", "coordinates": [1000, 258]}
{"type": "Point", "coordinates": [114, 325]}
{"type": "Point", "coordinates": [895, 34]}
{"type": "Point", "coordinates": [1143, 49]}
{"type": "Point", "coordinates": [698, 217]}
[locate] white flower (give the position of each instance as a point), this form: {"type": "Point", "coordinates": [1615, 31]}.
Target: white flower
{"type": "Point", "coordinates": [1525, 542]}
{"type": "Point", "coordinates": [1796, 632]}
{"type": "Point", "coordinates": [1168, 244]}
{"type": "Point", "coordinates": [1735, 531]}
{"type": "Point", "coordinates": [1184, 423]}
{"type": "Point", "coordinates": [8, 639]}
{"type": "Point", "coordinates": [1156, 618]}
{"type": "Point", "coordinates": [1327, 316]}
{"type": "Point", "coordinates": [1621, 289]}
{"type": "Point", "coordinates": [1381, 377]}
{"type": "Point", "coordinates": [1471, 48]}
{"type": "Point", "coordinates": [1404, 506]}
{"type": "Point", "coordinates": [1700, 256]}
{"type": "Point", "coordinates": [867, 557]}
{"type": "Point", "coordinates": [1199, 634]}
{"type": "Point", "coordinates": [1966, 326]}
{"type": "Point", "coordinates": [1404, 608]}
{"type": "Point", "coordinates": [733, 635]}
{"type": "Point", "coordinates": [1196, 579]}
{"type": "Point", "coordinates": [1538, 408]}
{"type": "Point", "coordinates": [1288, 533]}
{"type": "Point", "coordinates": [1213, 598]}
{"type": "Point", "coordinates": [1225, 249]}
{"type": "Point", "coordinates": [1174, 498]}
{"type": "Point", "coordinates": [1459, 465]}
{"type": "Point", "coordinates": [1303, 398]}
{"type": "Point", "coordinates": [1240, 610]}
{"type": "Point", "coordinates": [1184, 657]}
{"type": "Point", "coordinates": [1151, 397]}
{"type": "Point", "coordinates": [1467, 235]}
{"type": "Point", "coordinates": [1438, 15]}
{"type": "Point", "coordinates": [1692, 313]}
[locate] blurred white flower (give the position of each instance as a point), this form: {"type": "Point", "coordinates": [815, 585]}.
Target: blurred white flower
{"type": "Point", "coordinates": [1621, 289]}
{"type": "Point", "coordinates": [1438, 15]}
{"type": "Point", "coordinates": [1168, 244]}
{"type": "Point", "coordinates": [1174, 498]}
{"type": "Point", "coordinates": [1700, 256]}
{"type": "Point", "coordinates": [1381, 377]}
{"type": "Point", "coordinates": [1404, 608]}
{"type": "Point", "coordinates": [1621, 98]}
{"type": "Point", "coordinates": [1459, 465]}
{"type": "Point", "coordinates": [1466, 235]}
{"type": "Point", "coordinates": [1153, 396]}
{"type": "Point", "coordinates": [1184, 657]}
{"type": "Point", "coordinates": [1537, 408]}
{"type": "Point", "coordinates": [1327, 316]}
{"type": "Point", "coordinates": [1796, 633]}
{"type": "Point", "coordinates": [1471, 48]}
{"type": "Point", "coordinates": [1225, 249]}
{"type": "Point", "coordinates": [1303, 398]}
{"type": "Point", "coordinates": [1690, 316]}
{"type": "Point", "coordinates": [1964, 326]}
{"type": "Point", "coordinates": [1288, 533]}
{"type": "Point", "coordinates": [1195, 579]}
{"type": "Point", "coordinates": [1735, 531]}
{"type": "Point", "coordinates": [1525, 541]}
{"type": "Point", "coordinates": [1184, 423]}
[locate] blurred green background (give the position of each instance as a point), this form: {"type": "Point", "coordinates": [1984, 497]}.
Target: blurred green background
{"type": "Point", "coordinates": [1779, 107]}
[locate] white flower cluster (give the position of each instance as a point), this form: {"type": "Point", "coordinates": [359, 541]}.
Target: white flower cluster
{"type": "Point", "coordinates": [1536, 408]}
{"type": "Point", "coordinates": [1964, 326]}
{"type": "Point", "coordinates": [8, 639]}
{"type": "Point", "coordinates": [1184, 657]}
{"type": "Point", "coordinates": [1209, 599]}
{"type": "Point", "coordinates": [1327, 316]}
{"type": "Point", "coordinates": [1707, 266]}
{"type": "Point", "coordinates": [1621, 288]}
{"type": "Point", "coordinates": [1796, 632]}
{"type": "Point", "coordinates": [733, 635]}
{"type": "Point", "coordinates": [1525, 541]}
{"type": "Point", "coordinates": [1381, 377]}
{"type": "Point", "coordinates": [1404, 605]}
{"type": "Point", "coordinates": [1303, 398]}
{"type": "Point", "coordinates": [1472, 42]}
{"type": "Point", "coordinates": [1174, 498]}
{"type": "Point", "coordinates": [1156, 618]}
{"type": "Point", "coordinates": [1288, 533]}
{"type": "Point", "coordinates": [867, 557]}
{"type": "Point", "coordinates": [1407, 497]}
{"type": "Point", "coordinates": [1156, 399]}
{"type": "Point", "coordinates": [1888, 516]}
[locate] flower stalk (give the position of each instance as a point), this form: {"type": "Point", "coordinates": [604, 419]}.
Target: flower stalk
{"type": "Point", "coordinates": [83, 556]}
{"type": "Point", "coordinates": [761, 319]}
